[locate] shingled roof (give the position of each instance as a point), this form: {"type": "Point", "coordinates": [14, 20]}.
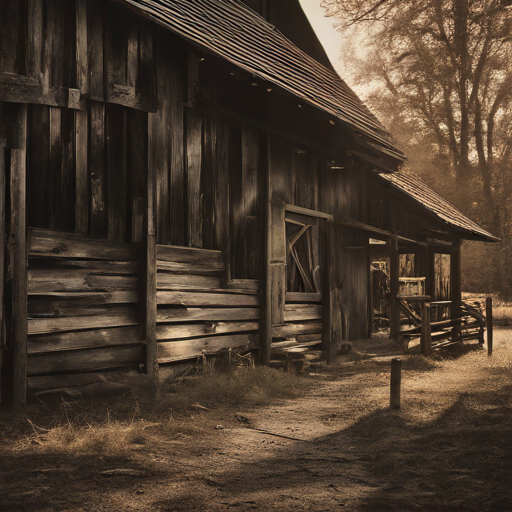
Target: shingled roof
{"type": "Point", "coordinates": [418, 190]}
{"type": "Point", "coordinates": [231, 30]}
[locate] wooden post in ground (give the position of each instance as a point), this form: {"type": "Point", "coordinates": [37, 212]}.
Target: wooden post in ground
{"type": "Point", "coordinates": [396, 381]}
{"type": "Point", "coordinates": [426, 335]}
{"type": "Point", "coordinates": [394, 288]}
{"type": "Point", "coordinates": [488, 316]}
{"type": "Point", "coordinates": [456, 287]}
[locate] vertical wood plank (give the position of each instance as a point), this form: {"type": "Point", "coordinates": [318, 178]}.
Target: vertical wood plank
{"type": "Point", "coordinates": [194, 164]}
{"type": "Point", "coordinates": [221, 204]}
{"type": "Point", "coordinates": [95, 42]}
{"type": "Point", "coordinates": [394, 288]}
{"type": "Point", "coordinates": [117, 189]}
{"type": "Point", "coordinates": [137, 162]}
{"type": "Point", "coordinates": [82, 178]}
{"type": "Point", "coordinates": [150, 265]}
{"type": "Point", "coordinates": [81, 46]}
{"type": "Point", "coordinates": [39, 169]}
{"type": "Point", "coordinates": [35, 38]}
{"type": "Point", "coordinates": [278, 261]}
{"type": "Point", "coordinates": [3, 198]}
{"type": "Point", "coordinates": [265, 330]}
{"type": "Point", "coordinates": [207, 182]}
{"type": "Point", "coordinates": [176, 165]}
{"type": "Point", "coordinates": [56, 156]}
{"type": "Point", "coordinates": [426, 332]}
{"type": "Point", "coordinates": [18, 264]}
{"type": "Point", "coordinates": [97, 170]}
{"type": "Point", "coordinates": [132, 55]}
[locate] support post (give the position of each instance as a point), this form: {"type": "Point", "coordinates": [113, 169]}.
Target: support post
{"type": "Point", "coordinates": [265, 331]}
{"type": "Point", "coordinates": [149, 248]}
{"type": "Point", "coordinates": [488, 317]}
{"type": "Point", "coordinates": [396, 381]}
{"type": "Point", "coordinates": [14, 393]}
{"type": "Point", "coordinates": [328, 290]}
{"type": "Point", "coordinates": [455, 286]}
{"type": "Point", "coordinates": [394, 288]}
{"type": "Point", "coordinates": [426, 334]}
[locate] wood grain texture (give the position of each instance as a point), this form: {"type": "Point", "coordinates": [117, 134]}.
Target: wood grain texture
{"type": "Point", "coordinates": [176, 254]}
{"type": "Point", "coordinates": [177, 350]}
{"type": "Point", "coordinates": [167, 281]}
{"type": "Point", "coordinates": [294, 312]}
{"type": "Point", "coordinates": [85, 360]}
{"type": "Point", "coordinates": [92, 318]}
{"type": "Point", "coordinates": [117, 190]}
{"type": "Point", "coordinates": [170, 332]}
{"type": "Point", "coordinates": [97, 167]}
{"type": "Point", "coordinates": [190, 268]}
{"type": "Point", "coordinates": [206, 314]}
{"type": "Point", "coordinates": [116, 336]}
{"type": "Point", "coordinates": [58, 244]}
{"type": "Point", "coordinates": [303, 297]}
{"type": "Point", "coordinates": [206, 299]}
{"type": "Point", "coordinates": [294, 329]}
{"type": "Point", "coordinates": [194, 163]}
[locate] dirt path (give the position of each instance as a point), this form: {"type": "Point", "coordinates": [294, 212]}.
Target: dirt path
{"type": "Point", "coordinates": [337, 447]}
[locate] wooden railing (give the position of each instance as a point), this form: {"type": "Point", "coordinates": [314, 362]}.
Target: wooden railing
{"type": "Point", "coordinates": [469, 324]}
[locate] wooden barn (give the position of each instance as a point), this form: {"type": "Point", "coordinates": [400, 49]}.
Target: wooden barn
{"type": "Point", "coordinates": [182, 177]}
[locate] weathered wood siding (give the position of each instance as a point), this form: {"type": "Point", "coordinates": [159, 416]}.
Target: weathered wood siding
{"type": "Point", "coordinates": [351, 279]}
{"type": "Point", "coordinates": [83, 299]}
{"type": "Point", "coordinates": [196, 314]}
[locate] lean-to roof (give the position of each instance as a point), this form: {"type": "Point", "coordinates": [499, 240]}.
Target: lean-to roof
{"type": "Point", "coordinates": [415, 188]}
{"type": "Point", "coordinates": [236, 33]}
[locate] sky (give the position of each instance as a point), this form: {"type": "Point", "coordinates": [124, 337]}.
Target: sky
{"type": "Point", "coordinates": [323, 26]}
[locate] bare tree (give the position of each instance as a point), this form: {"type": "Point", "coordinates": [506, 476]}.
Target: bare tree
{"type": "Point", "coordinates": [442, 75]}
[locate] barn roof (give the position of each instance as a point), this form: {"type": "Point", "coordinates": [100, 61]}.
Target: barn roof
{"type": "Point", "coordinates": [236, 33]}
{"type": "Point", "coordinates": [418, 190]}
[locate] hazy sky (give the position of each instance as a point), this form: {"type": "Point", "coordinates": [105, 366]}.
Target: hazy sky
{"type": "Point", "coordinates": [329, 37]}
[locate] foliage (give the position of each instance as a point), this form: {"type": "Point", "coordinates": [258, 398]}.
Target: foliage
{"type": "Point", "coordinates": [438, 73]}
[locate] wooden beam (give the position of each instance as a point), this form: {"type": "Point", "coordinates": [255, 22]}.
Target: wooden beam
{"type": "Point", "coordinates": [23, 89]}
{"type": "Point", "coordinates": [328, 292]}
{"type": "Point", "coordinates": [278, 261]}
{"type": "Point", "coordinates": [18, 263]}
{"type": "Point", "coordinates": [265, 337]}
{"type": "Point", "coordinates": [150, 265]}
{"type": "Point", "coordinates": [306, 211]}
{"type": "Point", "coordinates": [394, 288]}
{"type": "Point", "coordinates": [456, 285]}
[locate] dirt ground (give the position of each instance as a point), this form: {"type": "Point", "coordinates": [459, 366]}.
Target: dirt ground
{"type": "Point", "coordinates": [334, 445]}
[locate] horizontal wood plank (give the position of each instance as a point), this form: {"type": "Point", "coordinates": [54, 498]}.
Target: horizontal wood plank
{"type": "Point", "coordinates": [208, 314]}
{"type": "Point", "coordinates": [62, 303]}
{"type": "Point", "coordinates": [57, 244]}
{"type": "Point", "coordinates": [293, 312]}
{"type": "Point", "coordinates": [176, 350]}
{"type": "Point", "coordinates": [46, 382]}
{"type": "Point", "coordinates": [85, 339]}
{"type": "Point", "coordinates": [244, 284]}
{"type": "Point", "coordinates": [282, 331]}
{"type": "Point", "coordinates": [116, 317]}
{"type": "Point", "coordinates": [96, 267]}
{"type": "Point", "coordinates": [170, 332]}
{"type": "Point", "coordinates": [190, 268]}
{"type": "Point", "coordinates": [45, 281]}
{"type": "Point", "coordinates": [83, 360]}
{"type": "Point", "coordinates": [177, 254]}
{"type": "Point", "coordinates": [167, 281]}
{"type": "Point", "coordinates": [303, 297]}
{"type": "Point", "coordinates": [206, 299]}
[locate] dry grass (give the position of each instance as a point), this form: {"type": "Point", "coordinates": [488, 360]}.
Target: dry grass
{"type": "Point", "coordinates": [111, 426]}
